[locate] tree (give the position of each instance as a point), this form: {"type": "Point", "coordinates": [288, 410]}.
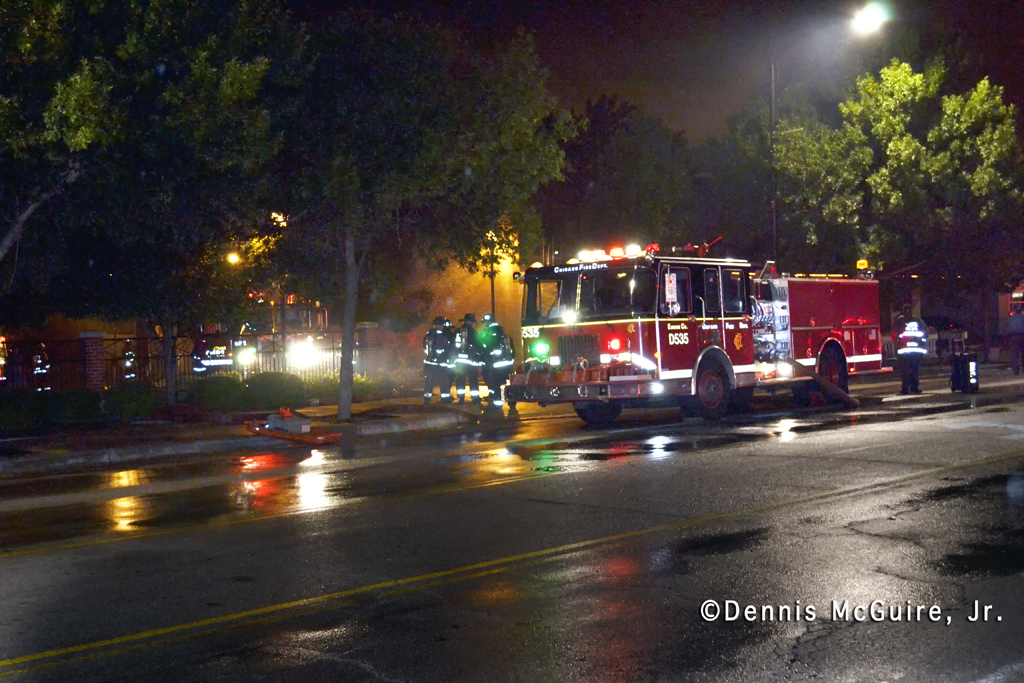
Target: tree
{"type": "Point", "coordinates": [407, 142]}
{"type": "Point", "coordinates": [820, 172]}
{"type": "Point", "coordinates": [169, 121]}
{"type": "Point", "coordinates": [736, 186]}
{"type": "Point", "coordinates": [916, 176]}
{"type": "Point", "coordinates": [945, 177]}
{"type": "Point", "coordinates": [629, 177]}
{"type": "Point", "coordinates": [54, 103]}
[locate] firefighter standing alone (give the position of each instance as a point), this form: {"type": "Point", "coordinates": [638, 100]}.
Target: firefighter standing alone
{"type": "Point", "coordinates": [499, 356]}
{"type": "Point", "coordinates": [911, 337]}
{"type": "Point", "coordinates": [468, 358]}
{"type": "Point", "coordinates": [438, 345]}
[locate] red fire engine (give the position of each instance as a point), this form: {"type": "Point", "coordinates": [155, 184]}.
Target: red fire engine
{"type": "Point", "coordinates": [824, 322]}
{"type": "Point", "coordinates": [667, 328]}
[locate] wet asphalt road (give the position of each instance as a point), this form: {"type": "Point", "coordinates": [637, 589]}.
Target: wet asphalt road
{"type": "Point", "coordinates": [657, 550]}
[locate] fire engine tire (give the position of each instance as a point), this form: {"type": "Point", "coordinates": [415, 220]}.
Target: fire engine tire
{"type": "Point", "coordinates": [597, 414]}
{"type": "Point", "coordinates": [713, 391]}
{"type": "Point", "coordinates": [833, 368]}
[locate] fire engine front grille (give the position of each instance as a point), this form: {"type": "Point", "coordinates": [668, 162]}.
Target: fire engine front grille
{"type": "Point", "coordinates": [579, 345]}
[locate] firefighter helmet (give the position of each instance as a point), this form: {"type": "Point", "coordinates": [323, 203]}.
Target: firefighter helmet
{"type": "Point", "coordinates": [488, 318]}
{"type": "Point", "coordinates": [439, 320]}
{"type": "Point", "coordinates": [469, 318]}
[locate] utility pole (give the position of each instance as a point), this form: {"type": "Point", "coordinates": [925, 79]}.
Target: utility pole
{"type": "Point", "coordinates": [774, 181]}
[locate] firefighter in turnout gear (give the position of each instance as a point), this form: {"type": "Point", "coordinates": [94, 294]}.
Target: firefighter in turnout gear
{"type": "Point", "coordinates": [911, 337]}
{"type": "Point", "coordinates": [468, 359]}
{"type": "Point", "coordinates": [449, 366]}
{"type": "Point", "coordinates": [438, 345]}
{"type": "Point", "coordinates": [499, 356]}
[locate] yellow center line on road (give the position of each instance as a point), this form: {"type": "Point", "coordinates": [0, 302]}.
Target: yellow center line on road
{"type": "Point", "coordinates": [461, 574]}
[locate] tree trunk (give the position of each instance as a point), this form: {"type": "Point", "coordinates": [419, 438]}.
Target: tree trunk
{"type": "Point", "coordinates": [15, 232]}
{"type": "Point", "coordinates": [169, 343]}
{"type": "Point", "coordinates": [348, 329]}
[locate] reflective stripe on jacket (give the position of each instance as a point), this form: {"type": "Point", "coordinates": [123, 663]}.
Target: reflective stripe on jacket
{"type": "Point", "coordinates": [912, 337]}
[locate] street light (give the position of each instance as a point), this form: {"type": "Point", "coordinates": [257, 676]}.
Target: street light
{"type": "Point", "coordinates": [866, 21]}
{"type": "Point", "coordinates": [869, 19]}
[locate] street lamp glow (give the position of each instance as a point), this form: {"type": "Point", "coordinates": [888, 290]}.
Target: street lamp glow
{"type": "Point", "coordinates": [233, 258]}
{"type": "Point", "coordinates": [869, 19]}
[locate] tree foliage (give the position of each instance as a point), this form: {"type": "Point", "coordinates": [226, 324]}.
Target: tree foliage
{"type": "Point", "coordinates": [821, 193]}
{"type": "Point", "coordinates": [913, 172]}
{"type": "Point", "coordinates": [944, 177]}
{"type": "Point", "coordinates": [156, 109]}
{"type": "Point", "coordinates": [161, 114]}
{"type": "Point", "coordinates": [409, 145]}
{"type": "Point", "coordinates": [735, 186]}
{"type": "Point", "coordinates": [629, 178]}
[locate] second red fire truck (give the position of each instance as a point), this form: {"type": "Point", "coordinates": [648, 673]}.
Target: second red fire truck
{"type": "Point", "coordinates": [677, 328]}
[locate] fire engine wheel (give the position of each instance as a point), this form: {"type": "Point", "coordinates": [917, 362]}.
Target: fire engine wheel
{"type": "Point", "coordinates": [597, 414]}
{"type": "Point", "coordinates": [834, 369]}
{"type": "Point", "coordinates": [712, 391]}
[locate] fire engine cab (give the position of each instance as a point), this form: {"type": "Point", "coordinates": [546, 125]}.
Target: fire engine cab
{"type": "Point", "coordinates": [652, 328]}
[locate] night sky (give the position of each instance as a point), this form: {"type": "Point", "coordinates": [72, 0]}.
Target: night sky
{"type": "Point", "coordinates": [693, 63]}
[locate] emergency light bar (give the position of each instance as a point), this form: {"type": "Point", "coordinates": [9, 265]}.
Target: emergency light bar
{"type": "Point", "coordinates": [634, 251]}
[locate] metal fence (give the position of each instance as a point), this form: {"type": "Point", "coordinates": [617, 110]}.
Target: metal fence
{"type": "Point", "coordinates": [60, 365]}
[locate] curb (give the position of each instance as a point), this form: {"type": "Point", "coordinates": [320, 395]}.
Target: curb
{"type": "Point", "coordinates": [411, 424]}
{"type": "Point", "coordinates": [57, 462]}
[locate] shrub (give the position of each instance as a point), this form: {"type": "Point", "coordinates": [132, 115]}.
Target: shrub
{"type": "Point", "coordinates": [132, 401]}
{"type": "Point", "coordinates": [275, 389]}
{"type": "Point", "coordinates": [27, 409]}
{"type": "Point", "coordinates": [21, 409]}
{"type": "Point", "coordinates": [217, 392]}
{"type": "Point", "coordinates": [323, 389]}
{"type": "Point", "coordinates": [373, 388]}
{"type": "Point", "coordinates": [75, 405]}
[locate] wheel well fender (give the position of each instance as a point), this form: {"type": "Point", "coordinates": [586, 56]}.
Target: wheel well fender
{"type": "Point", "coordinates": [712, 354]}
{"type": "Point", "coordinates": [832, 345]}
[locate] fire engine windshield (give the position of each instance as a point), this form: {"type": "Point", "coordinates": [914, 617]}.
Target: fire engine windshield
{"type": "Point", "coordinates": [617, 293]}
{"type": "Point", "coordinates": [581, 296]}
{"type": "Point", "coordinates": [549, 298]}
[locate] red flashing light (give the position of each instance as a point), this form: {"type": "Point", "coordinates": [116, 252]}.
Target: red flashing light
{"type": "Point", "coordinates": [614, 344]}
{"type": "Point", "coordinates": [617, 252]}
{"type": "Point", "coordinates": [653, 248]}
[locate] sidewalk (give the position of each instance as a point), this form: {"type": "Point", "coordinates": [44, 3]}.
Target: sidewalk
{"type": "Point", "coordinates": [82, 450]}
{"type": "Point", "coordinates": [141, 441]}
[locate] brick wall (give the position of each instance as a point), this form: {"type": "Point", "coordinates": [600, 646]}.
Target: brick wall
{"type": "Point", "coordinates": [92, 356]}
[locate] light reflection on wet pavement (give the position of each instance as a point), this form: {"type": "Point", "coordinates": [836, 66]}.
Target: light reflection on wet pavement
{"type": "Point", "coordinates": [702, 522]}
{"type": "Point", "coordinates": [298, 480]}
{"type": "Point", "coordinates": [628, 612]}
